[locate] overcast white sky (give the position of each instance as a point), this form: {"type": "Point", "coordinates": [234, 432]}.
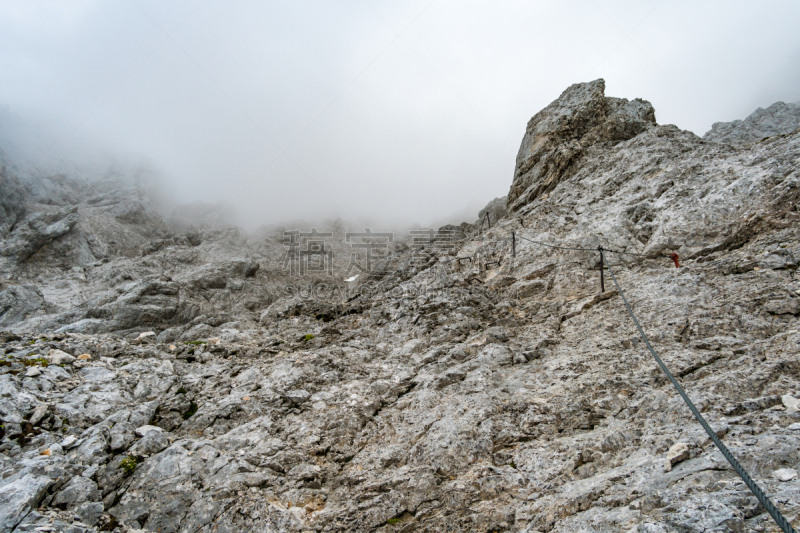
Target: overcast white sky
{"type": "Point", "coordinates": [319, 108]}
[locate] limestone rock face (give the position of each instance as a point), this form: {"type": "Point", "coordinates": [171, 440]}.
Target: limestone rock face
{"type": "Point", "coordinates": [558, 135]}
{"type": "Point", "coordinates": [154, 381]}
{"type": "Point", "coordinates": [778, 119]}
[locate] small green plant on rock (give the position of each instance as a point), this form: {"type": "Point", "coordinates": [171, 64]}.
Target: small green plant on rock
{"type": "Point", "coordinates": [128, 464]}
{"type": "Point", "coordinates": [181, 391]}
{"type": "Point", "coordinates": [393, 521]}
{"type": "Point", "coordinates": [308, 337]}
{"type": "Point", "coordinates": [197, 342]}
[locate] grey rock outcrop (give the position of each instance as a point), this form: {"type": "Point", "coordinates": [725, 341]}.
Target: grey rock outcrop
{"type": "Point", "coordinates": [558, 135]}
{"type": "Point", "coordinates": [18, 302]}
{"type": "Point", "coordinates": [38, 229]}
{"type": "Point", "coordinates": [778, 119]}
{"type": "Point", "coordinates": [18, 496]}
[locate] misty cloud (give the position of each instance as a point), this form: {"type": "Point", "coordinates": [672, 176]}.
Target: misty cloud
{"type": "Point", "coordinates": [375, 111]}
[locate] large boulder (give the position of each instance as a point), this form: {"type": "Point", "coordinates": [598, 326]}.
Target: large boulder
{"type": "Point", "coordinates": [18, 302]}
{"type": "Point", "coordinates": [77, 491]}
{"type": "Point", "coordinates": [147, 303]}
{"type": "Point", "coordinates": [38, 229]}
{"type": "Point", "coordinates": [18, 497]}
{"type": "Point", "coordinates": [217, 275]}
{"type": "Point", "coordinates": [558, 135]}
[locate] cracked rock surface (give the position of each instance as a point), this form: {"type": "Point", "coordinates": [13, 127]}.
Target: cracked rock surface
{"type": "Point", "coordinates": [153, 381]}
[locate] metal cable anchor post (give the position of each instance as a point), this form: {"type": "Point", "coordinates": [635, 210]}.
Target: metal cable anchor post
{"type": "Point", "coordinates": [602, 281]}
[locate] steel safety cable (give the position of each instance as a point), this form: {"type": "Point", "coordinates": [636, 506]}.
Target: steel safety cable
{"type": "Point", "coordinates": [752, 485]}
{"type": "Point", "coordinates": [636, 254]}
{"type": "Point", "coordinates": [555, 246]}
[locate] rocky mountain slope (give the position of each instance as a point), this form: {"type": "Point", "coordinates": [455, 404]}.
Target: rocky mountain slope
{"type": "Point", "coordinates": [189, 382]}
{"type": "Point", "coordinates": [777, 119]}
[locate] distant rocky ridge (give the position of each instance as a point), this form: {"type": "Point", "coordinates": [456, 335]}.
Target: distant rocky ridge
{"type": "Point", "coordinates": [778, 119]}
{"type": "Point", "coordinates": [168, 381]}
{"type": "Point", "coordinates": [197, 215]}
